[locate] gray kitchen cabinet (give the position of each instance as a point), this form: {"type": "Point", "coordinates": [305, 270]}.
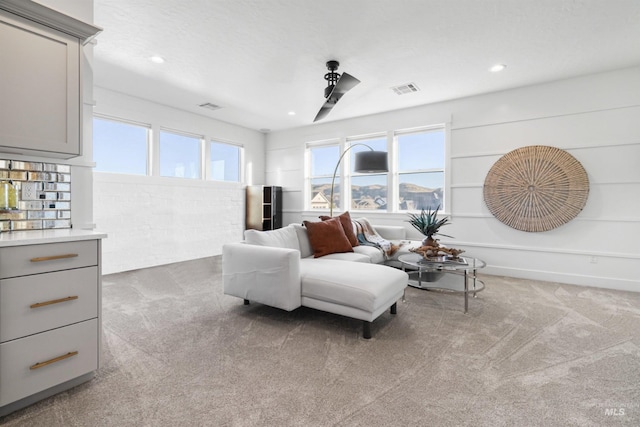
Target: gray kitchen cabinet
{"type": "Point", "coordinates": [50, 315]}
{"type": "Point", "coordinates": [40, 80]}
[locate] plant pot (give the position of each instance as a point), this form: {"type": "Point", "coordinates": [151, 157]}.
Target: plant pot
{"type": "Point", "coordinates": [429, 241]}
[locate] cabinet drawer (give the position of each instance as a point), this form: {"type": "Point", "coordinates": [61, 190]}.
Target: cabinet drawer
{"type": "Point", "coordinates": [37, 303]}
{"type": "Point", "coordinates": [34, 259]}
{"type": "Point", "coordinates": [24, 370]}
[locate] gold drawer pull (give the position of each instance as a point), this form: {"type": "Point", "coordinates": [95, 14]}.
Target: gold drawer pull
{"type": "Point", "coordinates": [53, 301]}
{"type": "Point", "coordinates": [54, 360]}
{"type": "Point", "coordinates": [52, 257]}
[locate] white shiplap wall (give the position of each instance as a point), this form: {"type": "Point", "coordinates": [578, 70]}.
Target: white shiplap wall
{"type": "Point", "coordinates": [594, 118]}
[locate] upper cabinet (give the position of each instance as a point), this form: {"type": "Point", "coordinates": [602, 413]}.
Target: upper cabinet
{"type": "Point", "coordinates": [41, 80]}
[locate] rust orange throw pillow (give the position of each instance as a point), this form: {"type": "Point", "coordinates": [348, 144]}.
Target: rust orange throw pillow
{"type": "Point", "coordinates": [347, 226]}
{"type": "Point", "coordinates": [327, 237]}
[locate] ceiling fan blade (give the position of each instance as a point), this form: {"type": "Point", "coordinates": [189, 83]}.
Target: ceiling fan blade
{"type": "Point", "coordinates": [345, 83]}
{"type": "Point", "coordinates": [324, 110]}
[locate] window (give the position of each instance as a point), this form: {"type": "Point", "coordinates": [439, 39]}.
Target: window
{"type": "Point", "coordinates": [420, 169]}
{"type": "Point", "coordinates": [127, 147]}
{"type": "Point", "coordinates": [120, 147]}
{"type": "Point", "coordinates": [416, 177]}
{"type": "Point", "coordinates": [322, 163]}
{"type": "Point", "coordinates": [179, 155]}
{"type": "Point", "coordinates": [368, 191]}
{"type": "Point", "coordinates": [225, 162]}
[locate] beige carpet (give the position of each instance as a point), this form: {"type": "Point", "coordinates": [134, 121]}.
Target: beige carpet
{"type": "Point", "coordinates": [177, 352]}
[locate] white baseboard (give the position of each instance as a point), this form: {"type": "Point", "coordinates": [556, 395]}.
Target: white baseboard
{"type": "Point", "coordinates": [572, 279]}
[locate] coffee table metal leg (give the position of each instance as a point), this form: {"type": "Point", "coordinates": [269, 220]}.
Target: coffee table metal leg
{"type": "Point", "coordinates": [466, 291]}
{"type": "Point", "coordinates": [474, 281]}
{"type": "Point", "coordinates": [404, 293]}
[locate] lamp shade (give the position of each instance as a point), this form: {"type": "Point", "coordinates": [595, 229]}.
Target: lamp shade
{"type": "Point", "coordinates": [371, 162]}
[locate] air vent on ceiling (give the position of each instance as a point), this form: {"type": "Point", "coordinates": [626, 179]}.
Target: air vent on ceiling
{"type": "Point", "coordinates": [404, 89]}
{"type": "Point", "coordinates": [210, 106]}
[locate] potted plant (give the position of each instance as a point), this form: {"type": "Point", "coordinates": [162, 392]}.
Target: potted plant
{"type": "Point", "coordinates": [428, 224]}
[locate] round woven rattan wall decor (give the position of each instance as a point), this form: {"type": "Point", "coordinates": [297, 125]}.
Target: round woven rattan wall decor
{"type": "Point", "coordinates": [536, 188]}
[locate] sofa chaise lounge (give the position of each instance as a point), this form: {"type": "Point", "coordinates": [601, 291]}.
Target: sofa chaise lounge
{"type": "Point", "coordinates": [281, 268]}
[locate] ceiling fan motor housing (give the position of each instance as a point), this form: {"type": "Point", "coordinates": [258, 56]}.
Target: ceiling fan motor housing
{"type": "Point", "coordinates": [333, 65]}
{"type": "Point", "coordinates": [331, 77]}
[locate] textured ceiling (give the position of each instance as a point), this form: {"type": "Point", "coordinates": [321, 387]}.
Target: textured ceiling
{"type": "Point", "coordinates": [260, 59]}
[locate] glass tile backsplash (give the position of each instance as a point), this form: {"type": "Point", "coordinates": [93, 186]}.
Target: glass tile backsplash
{"type": "Point", "coordinates": [44, 195]}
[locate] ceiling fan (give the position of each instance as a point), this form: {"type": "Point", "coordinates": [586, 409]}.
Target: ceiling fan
{"type": "Point", "coordinates": [337, 85]}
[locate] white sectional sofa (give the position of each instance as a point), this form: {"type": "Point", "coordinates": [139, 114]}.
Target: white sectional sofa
{"type": "Point", "coordinates": [278, 268]}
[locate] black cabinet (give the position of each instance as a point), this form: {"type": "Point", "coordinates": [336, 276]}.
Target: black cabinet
{"type": "Point", "coordinates": [264, 207]}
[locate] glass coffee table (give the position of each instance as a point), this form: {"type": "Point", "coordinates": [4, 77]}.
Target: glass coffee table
{"type": "Point", "coordinates": [443, 274]}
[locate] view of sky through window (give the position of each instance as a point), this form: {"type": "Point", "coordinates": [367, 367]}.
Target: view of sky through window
{"type": "Point", "coordinates": [179, 155]}
{"type": "Point", "coordinates": [119, 147]}
{"type": "Point", "coordinates": [225, 162]}
{"type": "Point", "coordinates": [324, 159]}
{"type": "Point", "coordinates": [420, 170]}
{"type": "Point", "coordinates": [123, 147]}
{"type": "Point", "coordinates": [418, 151]}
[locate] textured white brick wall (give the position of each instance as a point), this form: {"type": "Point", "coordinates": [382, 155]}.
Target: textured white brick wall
{"type": "Point", "coordinates": [154, 220]}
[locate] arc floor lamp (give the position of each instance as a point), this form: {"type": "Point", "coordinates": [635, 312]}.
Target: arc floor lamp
{"type": "Point", "coordinates": [365, 162]}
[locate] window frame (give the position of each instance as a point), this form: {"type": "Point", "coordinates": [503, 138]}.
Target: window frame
{"type": "Point", "coordinates": [148, 142]}
{"type": "Point", "coordinates": [397, 173]}
{"type": "Point", "coordinates": [345, 175]}
{"type": "Point", "coordinates": [308, 193]}
{"type": "Point", "coordinates": [201, 154]}
{"type": "Point", "coordinates": [362, 139]}
{"type": "Point", "coordinates": [209, 159]}
{"type": "Point", "coordinates": [152, 146]}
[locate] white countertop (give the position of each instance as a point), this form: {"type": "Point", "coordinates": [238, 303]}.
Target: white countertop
{"type": "Point", "coordinates": [36, 237]}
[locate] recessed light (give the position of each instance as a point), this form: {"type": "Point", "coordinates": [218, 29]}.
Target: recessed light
{"type": "Point", "coordinates": [292, 113]}
{"type": "Point", "coordinates": [157, 59]}
{"type": "Point", "coordinates": [498, 67]}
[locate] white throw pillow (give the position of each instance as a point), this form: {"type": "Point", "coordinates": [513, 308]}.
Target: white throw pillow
{"type": "Point", "coordinates": [303, 240]}
{"type": "Point", "coordinates": [281, 238]}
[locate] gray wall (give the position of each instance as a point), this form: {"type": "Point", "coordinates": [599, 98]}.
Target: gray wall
{"type": "Point", "coordinates": [594, 118]}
